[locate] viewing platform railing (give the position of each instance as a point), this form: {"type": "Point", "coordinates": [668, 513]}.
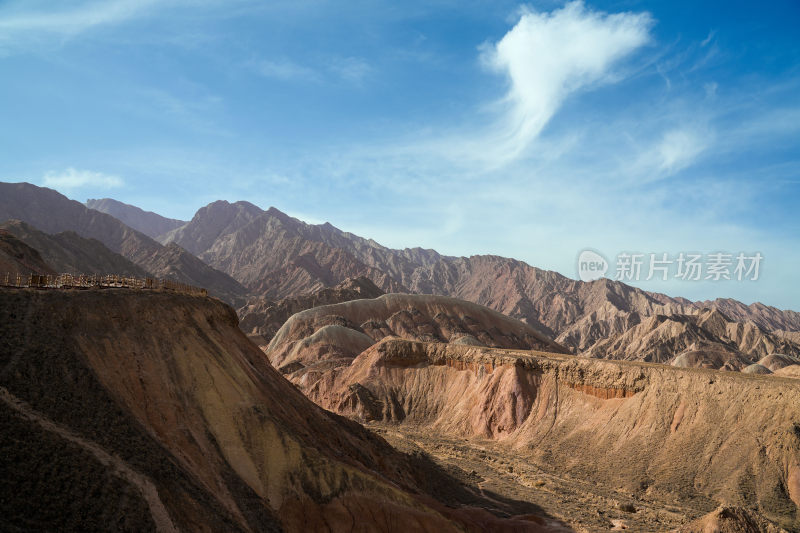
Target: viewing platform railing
{"type": "Point", "coordinates": [84, 281]}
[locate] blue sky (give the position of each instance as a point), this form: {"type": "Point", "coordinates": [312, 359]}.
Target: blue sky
{"type": "Point", "coordinates": [526, 130]}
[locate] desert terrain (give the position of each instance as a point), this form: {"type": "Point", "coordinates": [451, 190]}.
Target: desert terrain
{"type": "Point", "coordinates": [328, 383]}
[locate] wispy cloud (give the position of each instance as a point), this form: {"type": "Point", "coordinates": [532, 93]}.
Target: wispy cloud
{"type": "Point", "coordinates": [26, 23]}
{"type": "Point", "coordinates": [678, 148]}
{"type": "Point", "coordinates": [17, 20]}
{"type": "Point", "coordinates": [284, 70]}
{"type": "Point", "coordinates": [549, 56]}
{"type": "Point", "coordinates": [674, 150]}
{"type": "Point", "coordinates": [73, 179]}
{"type": "Point", "coordinates": [352, 70]}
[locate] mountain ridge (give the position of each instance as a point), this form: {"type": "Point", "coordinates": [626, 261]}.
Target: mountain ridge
{"type": "Point", "coordinates": [277, 256]}
{"type": "Point", "coordinates": [147, 222]}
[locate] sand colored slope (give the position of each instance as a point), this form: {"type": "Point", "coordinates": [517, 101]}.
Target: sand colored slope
{"type": "Point", "coordinates": [409, 316]}
{"type": "Point", "coordinates": [699, 437]}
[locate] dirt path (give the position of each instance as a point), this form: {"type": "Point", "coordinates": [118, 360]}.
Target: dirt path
{"type": "Point", "coordinates": [119, 467]}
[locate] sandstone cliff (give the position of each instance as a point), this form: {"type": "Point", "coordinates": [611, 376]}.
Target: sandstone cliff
{"type": "Point", "coordinates": [692, 437]}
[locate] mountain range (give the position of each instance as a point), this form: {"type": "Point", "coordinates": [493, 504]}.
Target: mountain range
{"type": "Point", "coordinates": [253, 258]}
{"type": "Point", "coordinates": [276, 256]}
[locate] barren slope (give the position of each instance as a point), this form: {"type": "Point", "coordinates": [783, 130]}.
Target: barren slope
{"type": "Point", "coordinates": [261, 318]}
{"type": "Point", "coordinates": [71, 253]}
{"type": "Point", "coordinates": [151, 410]}
{"type": "Point", "coordinates": [17, 257]}
{"type": "Point", "coordinates": [277, 256]}
{"type": "Point", "coordinates": [706, 339]}
{"type": "Point", "coordinates": [271, 253]}
{"type": "Point", "coordinates": [670, 436]}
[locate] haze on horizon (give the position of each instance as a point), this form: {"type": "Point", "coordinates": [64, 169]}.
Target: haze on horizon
{"type": "Point", "coordinates": [530, 131]}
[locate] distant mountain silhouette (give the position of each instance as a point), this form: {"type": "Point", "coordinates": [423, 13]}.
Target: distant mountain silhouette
{"type": "Point", "coordinates": [68, 252]}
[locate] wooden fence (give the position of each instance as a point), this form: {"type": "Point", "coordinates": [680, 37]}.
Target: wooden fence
{"type": "Point", "coordinates": [69, 281]}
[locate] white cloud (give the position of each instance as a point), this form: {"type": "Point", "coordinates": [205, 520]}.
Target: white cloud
{"type": "Point", "coordinates": [548, 56]}
{"type": "Point", "coordinates": [72, 179]}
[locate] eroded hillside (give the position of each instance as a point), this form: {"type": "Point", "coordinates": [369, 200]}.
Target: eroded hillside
{"type": "Point", "coordinates": [152, 410]}
{"type": "Point", "coordinates": [682, 437]}
{"type": "Point", "coordinates": [339, 332]}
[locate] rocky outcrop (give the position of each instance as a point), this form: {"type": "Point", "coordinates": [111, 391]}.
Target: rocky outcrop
{"type": "Point", "coordinates": [707, 339]}
{"type": "Point", "coordinates": [776, 361]}
{"type": "Point", "coordinates": [150, 410]}
{"type": "Point", "coordinates": [756, 369]}
{"type": "Point", "coordinates": [768, 317]}
{"type": "Point", "coordinates": [212, 222]}
{"type": "Point", "coordinates": [727, 519]}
